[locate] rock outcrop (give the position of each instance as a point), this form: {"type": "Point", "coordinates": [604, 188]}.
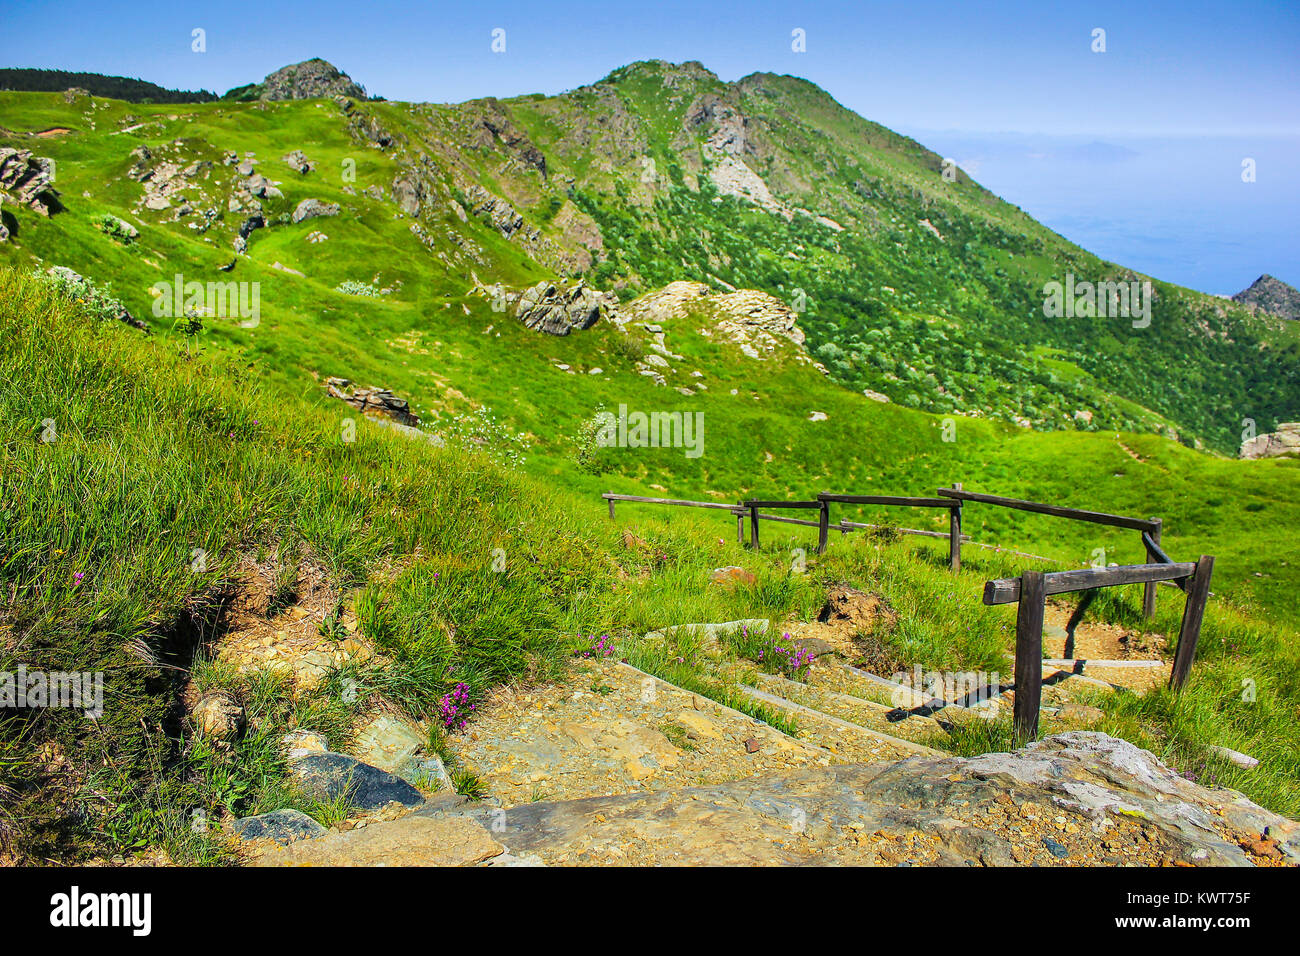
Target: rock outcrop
{"type": "Point", "coordinates": [313, 208]}
{"type": "Point", "coordinates": [503, 216]}
{"type": "Point", "coordinates": [1272, 295]}
{"type": "Point", "coordinates": [1080, 798]}
{"type": "Point", "coordinates": [1284, 441]}
{"type": "Point", "coordinates": [308, 80]}
{"type": "Point", "coordinates": [373, 402]}
{"type": "Point", "coordinates": [752, 320]}
{"type": "Point", "coordinates": [548, 308]}
{"type": "Point", "coordinates": [29, 180]}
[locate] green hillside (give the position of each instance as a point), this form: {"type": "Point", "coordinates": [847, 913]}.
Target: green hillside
{"type": "Point", "coordinates": [216, 432]}
{"type": "Point", "coordinates": [459, 569]}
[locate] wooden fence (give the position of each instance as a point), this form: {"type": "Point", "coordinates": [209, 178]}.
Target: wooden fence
{"type": "Point", "coordinates": [1029, 591]}
{"type": "Point", "coordinates": [1149, 527]}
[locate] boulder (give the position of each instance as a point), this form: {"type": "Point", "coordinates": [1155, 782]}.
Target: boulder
{"type": "Point", "coordinates": [387, 742]}
{"type": "Point", "coordinates": [330, 776]}
{"type": "Point", "coordinates": [373, 401]}
{"type": "Point", "coordinates": [556, 311]}
{"type": "Point", "coordinates": [282, 826]}
{"type": "Point", "coordinates": [218, 715]}
{"type": "Point", "coordinates": [312, 208]}
{"type": "Point", "coordinates": [29, 180]}
{"type": "Point", "coordinates": [1284, 441]}
{"type": "Point", "coordinates": [298, 162]}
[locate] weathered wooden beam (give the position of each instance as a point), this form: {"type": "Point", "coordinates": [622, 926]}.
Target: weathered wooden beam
{"type": "Point", "coordinates": [1029, 655]}
{"type": "Point", "coordinates": [823, 525]}
{"type": "Point", "coordinates": [666, 501]}
{"type": "Point", "coordinates": [889, 500]}
{"type": "Point", "coordinates": [954, 535]}
{"type": "Point", "coordinates": [782, 520]}
{"type": "Point", "coordinates": [1077, 514]}
{"type": "Point", "coordinates": [1154, 555]}
{"type": "Point", "coordinates": [1007, 590]}
{"type": "Point", "coordinates": [1154, 550]}
{"type": "Point", "coordinates": [857, 525]}
{"type": "Point", "coordinates": [753, 503]}
{"type": "Point", "coordinates": [753, 528]}
{"type": "Point", "coordinates": [1198, 592]}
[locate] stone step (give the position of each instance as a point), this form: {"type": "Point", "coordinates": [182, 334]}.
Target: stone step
{"type": "Point", "coordinates": [609, 728]}
{"type": "Point", "coordinates": [846, 739]}
{"type": "Point", "coordinates": [866, 713]}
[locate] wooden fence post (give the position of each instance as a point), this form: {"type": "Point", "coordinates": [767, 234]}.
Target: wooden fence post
{"type": "Point", "coordinates": [954, 533]}
{"type": "Point", "coordinates": [1029, 655]}
{"type": "Point", "coordinates": [753, 527]}
{"type": "Point", "coordinates": [823, 525]}
{"type": "Point", "coordinates": [1198, 591]}
{"type": "Point", "coordinates": [740, 525]}
{"type": "Point", "coordinates": [611, 509]}
{"type": "Point", "coordinates": [1149, 590]}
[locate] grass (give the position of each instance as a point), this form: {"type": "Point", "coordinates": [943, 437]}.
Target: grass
{"type": "Point", "coordinates": [160, 452]}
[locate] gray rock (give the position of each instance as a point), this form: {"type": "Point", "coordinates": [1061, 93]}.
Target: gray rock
{"type": "Point", "coordinates": [282, 826]}
{"type": "Point", "coordinates": [308, 80]}
{"type": "Point", "coordinates": [547, 308]}
{"type": "Point", "coordinates": [312, 208]}
{"type": "Point", "coordinates": [373, 401]}
{"type": "Point", "coordinates": [1089, 777]}
{"type": "Point", "coordinates": [1283, 442]}
{"type": "Point", "coordinates": [503, 216]}
{"type": "Point", "coordinates": [297, 161]}
{"type": "Point", "coordinates": [29, 180]}
{"type": "Point", "coordinates": [329, 776]}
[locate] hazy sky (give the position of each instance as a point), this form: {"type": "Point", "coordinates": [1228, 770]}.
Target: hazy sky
{"type": "Point", "coordinates": [1223, 79]}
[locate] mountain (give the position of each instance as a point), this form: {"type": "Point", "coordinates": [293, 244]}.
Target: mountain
{"type": "Point", "coordinates": [1272, 295]}
{"type": "Point", "coordinates": [97, 84]}
{"type": "Point", "coordinates": [841, 307]}
{"type": "Point", "coordinates": [300, 81]}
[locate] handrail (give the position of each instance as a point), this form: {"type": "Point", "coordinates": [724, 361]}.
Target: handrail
{"type": "Point", "coordinates": [1007, 590]}
{"type": "Point", "coordinates": [1077, 514]}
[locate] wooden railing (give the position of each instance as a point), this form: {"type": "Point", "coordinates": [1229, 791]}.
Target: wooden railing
{"type": "Point", "coordinates": [1149, 527]}
{"type": "Point", "coordinates": [1030, 592]}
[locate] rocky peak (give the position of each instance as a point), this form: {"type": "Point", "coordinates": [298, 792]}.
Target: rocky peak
{"type": "Point", "coordinates": [308, 80]}
{"type": "Point", "coordinates": [1271, 295]}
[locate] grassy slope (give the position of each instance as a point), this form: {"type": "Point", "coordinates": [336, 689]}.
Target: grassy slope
{"type": "Point", "coordinates": [158, 452]}
{"type": "Point", "coordinates": [421, 343]}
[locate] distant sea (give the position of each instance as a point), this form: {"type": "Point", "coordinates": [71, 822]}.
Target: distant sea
{"type": "Point", "coordinates": [1172, 208]}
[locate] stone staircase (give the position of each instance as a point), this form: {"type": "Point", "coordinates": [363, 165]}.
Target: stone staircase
{"type": "Point", "coordinates": [612, 765]}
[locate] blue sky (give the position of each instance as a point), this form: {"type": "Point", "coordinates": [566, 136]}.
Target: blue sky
{"type": "Point", "coordinates": [1183, 92]}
